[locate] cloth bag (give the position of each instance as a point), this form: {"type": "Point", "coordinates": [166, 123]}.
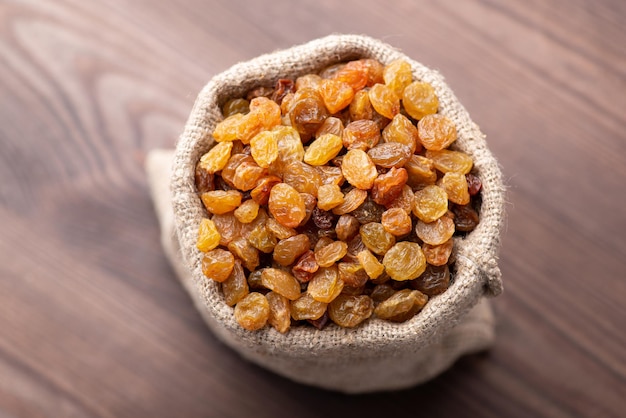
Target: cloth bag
{"type": "Point", "coordinates": [377, 355]}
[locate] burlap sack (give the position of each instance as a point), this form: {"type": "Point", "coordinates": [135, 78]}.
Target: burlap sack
{"type": "Point", "coordinates": [377, 355]}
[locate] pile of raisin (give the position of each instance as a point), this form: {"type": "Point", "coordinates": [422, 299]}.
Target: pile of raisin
{"type": "Point", "coordinates": [334, 197]}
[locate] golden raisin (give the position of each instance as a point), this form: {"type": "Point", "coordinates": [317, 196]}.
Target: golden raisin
{"type": "Point", "coordinates": [305, 307]}
{"type": "Point", "coordinates": [446, 161]}
{"type": "Point", "coordinates": [349, 311]}
{"type": "Point", "coordinates": [262, 239]}
{"type": "Point", "coordinates": [331, 253]}
{"type": "Point", "coordinates": [358, 169]}
{"type": "Point", "coordinates": [264, 148]}
{"type": "Point", "coordinates": [370, 263]}
{"type": "Point", "coordinates": [331, 125]}
{"type": "Point", "coordinates": [228, 173]}
{"type": "Point", "coordinates": [261, 192]}
{"type": "Point", "coordinates": [351, 200]}
{"type": "Point", "coordinates": [404, 201]}
{"type": "Point", "coordinates": [329, 196]}
{"type": "Point", "coordinates": [389, 186]}
{"type": "Point", "coordinates": [404, 261]}
{"type": "Point", "coordinates": [286, 205]}
{"type": "Point", "coordinates": [245, 251]}
{"type": "Point", "coordinates": [331, 175]}
{"type": "Point", "coordinates": [376, 238]}
{"type": "Point", "coordinates": [217, 157]}
{"type": "Point", "coordinates": [360, 107]}
{"type": "Point", "coordinates": [308, 81]}
{"type": "Point", "coordinates": [247, 175]}
{"type": "Point", "coordinates": [438, 255]}
{"type": "Point", "coordinates": [280, 231]}
{"type": "Point", "coordinates": [436, 132]}
{"type": "Point", "coordinates": [455, 185]}
{"type": "Point", "coordinates": [252, 312]}
{"type": "Point", "coordinates": [347, 227]}
{"type": "Point", "coordinates": [402, 302]}
{"type": "Point", "coordinates": [402, 130]}
{"type": "Point", "coordinates": [431, 203]}
{"type": "Point", "coordinates": [228, 227]}
{"type": "Point", "coordinates": [235, 287]}
{"type": "Point", "coordinates": [235, 106]}
{"type": "Point", "coordinates": [217, 264]}
{"type": "Point", "coordinates": [323, 149]}
{"type": "Point", "coordinates": [247, 211]}
{"type": "Point", "coordinates": [361, 134]}
{"type": "Point", "coordinates": [354, 73]}
{"type": "Point", "coordinates": [384, 100]}
{"type": "Point", "coordinates": [289, 249]}
{"type": "Point", "coordinates": [419, 99]}
{"type": "Point", "coordinates": [336, 94]}
{"type": "Point", "coordinates": [208, 236]}
{"type": "Point", "coordinates": [325, 285]}
{"type": "Point", "coordinates": [397, 75]}
{"type": "Point", "coordinates": [220, 201]}
{"type": "Point", "coordinates": [421, 171]}
{"type": "Point", "coordinates": [280, 315]}
{"type": "Point", "coordinates": [436, 232]}
{"type": "Point", "coordinates": [352, 274]}
{"type": "Point", "coordinates": [390, 154]}
{"type": "Point", "coordinates": [396, 221]}
{"type": "Point", "coordinates": [281, 282]}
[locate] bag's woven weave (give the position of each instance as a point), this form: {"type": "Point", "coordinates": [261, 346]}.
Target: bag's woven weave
{"type": "Point", "coordinates": [377, 355]}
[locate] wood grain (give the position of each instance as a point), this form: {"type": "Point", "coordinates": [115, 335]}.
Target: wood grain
{"type": "Point", "coordinates": [93, 320]}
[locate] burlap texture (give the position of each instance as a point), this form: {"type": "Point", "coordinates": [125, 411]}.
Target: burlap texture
{"type": "Point", "coordinates": [377, 355]}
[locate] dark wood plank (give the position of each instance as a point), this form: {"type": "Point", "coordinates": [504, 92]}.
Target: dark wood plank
{"type": "Point", "coordinates": [93, 321]}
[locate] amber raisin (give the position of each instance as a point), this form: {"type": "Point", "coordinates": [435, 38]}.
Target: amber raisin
{"type": "Point", "coordinates": [382, 292]}
{"type": "Point", "coordinates": [446, 161]}
{"type": "Point", "coordinates": [336, 94]}
{"type": "Point", "coordinates": [252, 312]}
{"type": "Point", "coordinates": [204, 180]}
{"type": "Point", "coordinates": [431, 203]}
{"type": "Point", "coordinates": [438, 255]}
{"type": "Point", "coordinates": [455, 185]}
{"type": "Point", "coordinates": [280, 231]}
{"type": "Point", "coordinates": [208, 236]}
{"type": "Point", "coordinates": [434, 281]}
{"type": "Point", "coordinates": [402, 130]}
{"type": "Point", "coordinates": [235, 287]}
{"type": "Point", "coordinates": [331, 175]}
{"type": "Point", "coordinates": [308, 81]}
{"type": "Point", "coordinates": [384, 100]}
{"type": "Point", "coordinates": [358, 168]}
{"type": "Point", "coordinates": [397, 75]}
{"type": "Point", "coordinates": [331, 253]}
{"type": "Point", "coordinates": [389, 186]}
{"type": "Point", "coordinates": [465, 218]}
{"type": "Point", "coordinates": [436, 232]}
{"type": "Point", "coordinates": [351, 201]}
{"type": "Point", "coordinates": [347, 227]}
{"type": "Point", "coordinates": [261, 91]}
{"type": "Point", "coordinates": [283, 87]}
{"type": "Point", "coordinates": [217, 264]}
{"type": "Point", "coordinates": [374, 71]}
{"type": "Point", "coordinates": [307, 115]}
{"type": "Point", "coordinates": [305, 307]}
{"type": "Point", "coordinates": [286, 205]}
{"type": "Point", "coordinates": [419, 99]}
{"type": "Point", "coordinates": [323, 149]}
{"type": "Point", "coordinates": [349, 311]}
{"type": "Point", "coordinates": [288, 250]}
{"type": "Point", "coordinates": [261, 193]}
{"type": "Point", "coordinates": [369, 211]}
{"type": "Point", "coordinates": [228, 173]}
{"type": "Point", "coordinates": [436, 132]}
{"type": "Point", "coordinates": [354, 73]}
{"type": "Point", "coordinates": [228, 227]}
{"type": "Point", "coordinates": [281, 282]}
{"type": "Point", "coordinates": [420, 300]}
{"type": "Point", "coordinates": [247, 175]}
{"type": "Point", "coordinates": [396, 221]}
{"type": "Point", "coordinates": [325, 285]}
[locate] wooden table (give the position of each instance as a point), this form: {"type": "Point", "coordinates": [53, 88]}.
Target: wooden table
{"type": "Point", "coordinates": [93, 321]}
